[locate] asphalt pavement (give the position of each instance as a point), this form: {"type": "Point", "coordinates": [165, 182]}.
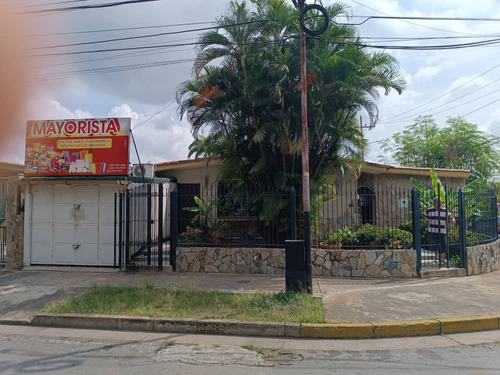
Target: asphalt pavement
{"type": "Point", "coordinates": [25, 350]}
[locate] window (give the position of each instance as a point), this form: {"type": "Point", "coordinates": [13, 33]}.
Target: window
{"type": "Point", "coordinates": [3, 198]}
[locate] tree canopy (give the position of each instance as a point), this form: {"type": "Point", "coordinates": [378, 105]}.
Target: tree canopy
{"type": "Point", "coordinates": [458, 145]}
{"type": "Point", "coordinates": [244, 100]}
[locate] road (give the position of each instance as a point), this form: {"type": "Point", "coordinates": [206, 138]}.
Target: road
{"type": "Point", "coordinates": [32, 350]}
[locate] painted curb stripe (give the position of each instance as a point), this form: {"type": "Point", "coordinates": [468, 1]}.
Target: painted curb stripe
{"type": "Point", "coordinates": [305, 330]}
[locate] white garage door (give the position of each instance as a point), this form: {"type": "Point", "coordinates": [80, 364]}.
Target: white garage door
{"type": "Point", "coordinates": [73, 225]}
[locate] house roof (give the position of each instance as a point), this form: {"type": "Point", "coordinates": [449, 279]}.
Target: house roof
{"type": "Point", "coordinates": [10, 168]}
{"type": "Point", "coordinates": [369, 167]}
{"type": "Point", "coordinates": [377, 168]}
{"type": "Point", "coordinates": [185, 164]}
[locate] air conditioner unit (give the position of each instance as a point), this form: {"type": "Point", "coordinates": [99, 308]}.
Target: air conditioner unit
{"type": "Point", "coordinates": [144, 170]}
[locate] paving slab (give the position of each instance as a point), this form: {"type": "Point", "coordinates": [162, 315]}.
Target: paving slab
{"type": "Point", "coordinates": [347, 300]}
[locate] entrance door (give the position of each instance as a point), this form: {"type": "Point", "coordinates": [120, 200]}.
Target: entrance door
{"type": "Point", "coordinates": [72, 225]}
{"type": "Point", "coordinates": [187, 192]}
{"type": "Point", "coordinates": [367, 205]}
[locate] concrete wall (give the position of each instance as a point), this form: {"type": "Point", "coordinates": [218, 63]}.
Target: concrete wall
{"type": "Point", "coordinates": [483, 258]}
{"type": "Point", "coordinates": [336, 263]}
{"type": "Point", "coordinates": [204, 175]}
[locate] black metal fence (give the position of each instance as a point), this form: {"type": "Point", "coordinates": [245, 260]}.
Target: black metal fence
{"type": "Point", "coordinates": [350, 216]}
{"type": "Point", "coordinates": [3, 243]}
{"type": "Point", "coordinates": [343, 216]}
{"type": "Point", "coordinates": [449, 222]}
{"type": "Point", "coordinates": [142, 228]}
{"type": "Point", "coordinates": [230, 213]}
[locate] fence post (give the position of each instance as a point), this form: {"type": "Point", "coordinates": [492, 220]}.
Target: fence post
{"type": "Point", "coordinates": [462, 228]}
{"type": "Point", "coordinates": [115, 228]}
{"type": "Point", "coordinates": [160, 227]}
{"type": "Point", "coordinates": [293, 213]}
{"type": "Point", "coordinates": [127, 228]}
{"type": "Point", "coordinates": [174, 222]}
{"type": "Point", "coordinates": [495, 214]}
{"type": "Point", "coordinates": [149, 222]}
{"type": "Point", "coordinates": [417, 236]}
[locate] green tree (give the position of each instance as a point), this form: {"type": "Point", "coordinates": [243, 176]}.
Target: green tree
{"type": "Point", "coordinates": [243, 102]}
{"type": "Point", "coordinates": [459, 144]}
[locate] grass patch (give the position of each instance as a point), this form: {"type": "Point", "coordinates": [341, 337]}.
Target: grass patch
{"type": "Point", "coordinates": [258, 350]}
{"type": "Point", "coordinates": [149, 300]}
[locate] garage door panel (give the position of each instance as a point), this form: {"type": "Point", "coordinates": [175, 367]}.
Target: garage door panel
{"type": "Point", "coordinates": [107, 195]}
{"type": "Point", "coordinates": [86, 254]}
{"type": "Point", "coordinates": [106, 215]}
{"type": "Point", "coordinates": [64, 195]}
{"type": "Point", "coordinates": [41, 254]}
{"type": "Point", "coordinates": [88, 194]}
{"type": "Point", "coordinates": [43, 194]}
{"type": "Point", "coordinates": [42, 234]}
{"type": "Point", "coordinates": [106, 255]}
{"type": "Point", "coordinates": [86, 234]}
{"type": "Point", "coordinates": [63, 214]}
{"type": "Point", "coordinates": [106, 235]}
{"type": "Point", "coordinates": [87, 214]}
{"type": "Point", "coordinates": [64, 254]}
{"type": "Point", "coordinates": [42, 214]}
{"type": "Point", "coordinates": [64, 234]}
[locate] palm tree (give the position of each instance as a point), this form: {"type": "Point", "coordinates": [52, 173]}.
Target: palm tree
{"type": "Point", "coordinates": [250, 100]}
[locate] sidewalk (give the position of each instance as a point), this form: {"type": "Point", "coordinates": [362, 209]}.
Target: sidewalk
{"type": "Point", "coordinates": [24, 293]}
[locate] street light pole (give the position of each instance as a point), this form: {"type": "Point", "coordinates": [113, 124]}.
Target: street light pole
{"type": "Point", "coordinates": [306, 200]}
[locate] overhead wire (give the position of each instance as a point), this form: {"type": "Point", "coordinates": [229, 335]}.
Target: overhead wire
{"type": "Point", "coordinates": [442, 105]}
{"type": "Point", "coordinates": [84, 7]}
{"type": "Point", "coordinates": [445, 94]}
{"type": "Point", "coordinates": [407, 21]}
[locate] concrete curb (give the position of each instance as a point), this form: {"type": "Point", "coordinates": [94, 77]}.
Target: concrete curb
{"type": "Point", "coordinates": [268, 329]}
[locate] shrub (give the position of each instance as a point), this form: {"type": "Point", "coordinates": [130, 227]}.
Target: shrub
{"type": "Point", "coordinates": [191, 236]}
{"type": "Point", "coordinates": [344, 235]}
{"type": "Point", "coordinates": [394, 238]}
{"type": "Point", "coordinates": [367, 233]}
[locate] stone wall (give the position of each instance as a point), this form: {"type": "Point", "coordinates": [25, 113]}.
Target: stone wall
{"type": "Point", "coordinates": [483, 258]}
{"type": "Point", "coordinates": [15, 225]}
{"type": "Point", "coordinates": [338, 263]}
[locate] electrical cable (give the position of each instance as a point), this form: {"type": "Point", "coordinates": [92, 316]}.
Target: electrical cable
{"type": "Point", "coordinates": [446, 93]}
{"type": "Point", "coordinates": [260, 43]}
{"type": "Point", "coordinates": [125, 29]}
{"type": "Point", "coordinates": [406, 21]}
{"type": "Point", "coordinates": [447, 109]}
{"type": "Point", "coordinates": [85, 7]}
{"type": "Point", "coordinates": [155, 114]}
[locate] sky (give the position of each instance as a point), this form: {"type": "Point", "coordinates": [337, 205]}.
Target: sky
{"type": "Point", "coordinates": [162, 136]}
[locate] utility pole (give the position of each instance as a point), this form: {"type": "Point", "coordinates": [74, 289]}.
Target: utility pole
{"type": "Point", "coordinates": [306, 193]}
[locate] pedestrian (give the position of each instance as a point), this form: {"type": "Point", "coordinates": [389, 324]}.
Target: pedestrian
{"type": "Point", "coordinates": [437, 216]}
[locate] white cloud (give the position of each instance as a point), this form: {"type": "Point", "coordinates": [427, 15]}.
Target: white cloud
{"type": "Point", "coordinates": [427, 72]}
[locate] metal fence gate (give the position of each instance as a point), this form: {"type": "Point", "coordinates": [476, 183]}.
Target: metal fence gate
{"type": "Point", "coordinates": [145, 228]}
{"type": "Point", "coordinates": [3, 243]}
{"type": "Point", "coordinates": [443, 226]}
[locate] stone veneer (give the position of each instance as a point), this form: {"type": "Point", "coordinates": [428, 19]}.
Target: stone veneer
{"type": "Point", "coordinates": [343, 263]}
{"type": "Point", "coordinates": [15, 226]}
{"type": "Point", "coordinates": [483, 258]}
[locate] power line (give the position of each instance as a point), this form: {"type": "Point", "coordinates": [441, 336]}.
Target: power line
{"type": "Point", "coordinates": [146, 36]}
{"type": "Point", "coordinates": [442, 105]}
{"type": "Point", "coordinates": [112, 69]}
{"type": "Point", "coordinates": [148, 47]}
{"type": "Point", "coordinates": [446, 93]}
{"type": "Point", "coordinates": [85, 7]}
{"type": "Point", "coordinates": [115, 57]}
{"type": "Point", "coordinates": [155, 114]}
{"type": "Point", "coordinates": [126, 29]}
{"type": "Point", "coordinates": [54, 3]}
{"type": "Point", "coordinates": [406, 21]}
{"type": "Point", "coordinates": [484, 106]}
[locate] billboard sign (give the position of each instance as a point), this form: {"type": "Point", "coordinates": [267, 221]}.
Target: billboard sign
{"type": "Point", "coordinates": [87, 147]}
